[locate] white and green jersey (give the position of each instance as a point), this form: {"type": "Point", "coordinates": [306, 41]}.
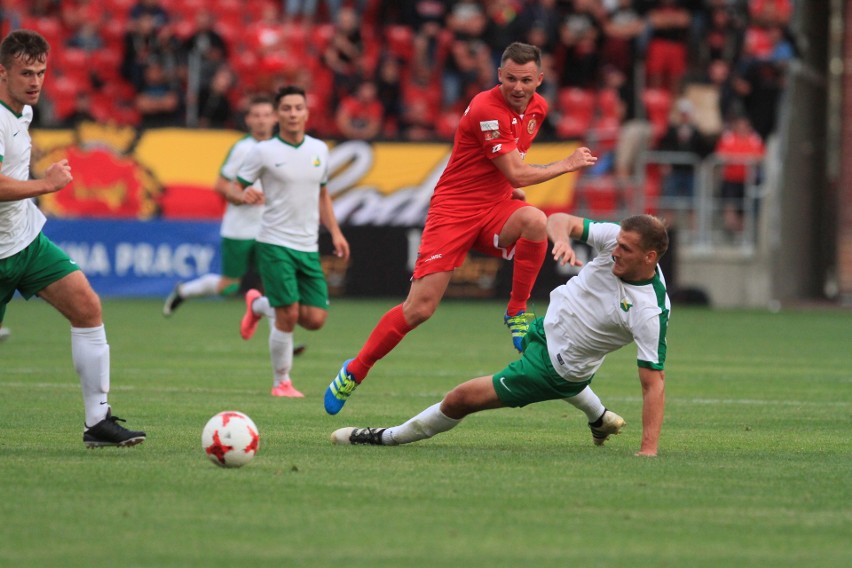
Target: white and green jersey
{"type": "Point", "coordinates": [292, 177]}
{"type": "Point", "coordinates": [20, 221]}
{"type": "Point", "coordinates": [240, 221]}
{"type": "Point", "coordinates": [596, 313]}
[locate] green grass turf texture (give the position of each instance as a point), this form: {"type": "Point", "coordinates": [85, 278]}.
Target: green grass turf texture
{"type": "Point", "coordinates": [754, 467]}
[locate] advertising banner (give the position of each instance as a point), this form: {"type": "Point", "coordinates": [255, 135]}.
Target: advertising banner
{"type": "Point", "coordinates": [138, 258]}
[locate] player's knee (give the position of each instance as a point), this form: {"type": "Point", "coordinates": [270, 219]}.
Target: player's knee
{"type": "Point", "coordinates": [417, 312]}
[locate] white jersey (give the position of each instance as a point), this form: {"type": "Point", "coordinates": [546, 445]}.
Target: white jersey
{"type": "Point", "coordinates": [596, 313]}
{"type": "Point", "coordinates": [292, 177]}
{"type": "Point", "coordinates": [20, 221]}
{"type": "Point", "coordinates": [240, 221]}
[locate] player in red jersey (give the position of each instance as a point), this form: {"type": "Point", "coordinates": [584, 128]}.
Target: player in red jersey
{"type": "Point", "coordinates": [477, 204]}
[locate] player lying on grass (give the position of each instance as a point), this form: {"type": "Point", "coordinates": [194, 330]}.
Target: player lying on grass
{"type": "Point", "coordinates": [618, 298]}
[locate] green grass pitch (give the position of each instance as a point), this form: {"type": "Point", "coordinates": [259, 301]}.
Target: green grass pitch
{"type": "Point", "coordinates": [754, 467]}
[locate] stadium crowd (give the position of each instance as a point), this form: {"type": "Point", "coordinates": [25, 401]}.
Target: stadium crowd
{"type": "Point", "coordinates": [405, 70]}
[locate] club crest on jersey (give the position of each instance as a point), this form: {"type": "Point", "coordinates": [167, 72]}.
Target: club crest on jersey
{"type": "Point", "coordinates": [531, 126]}
{"type": "Point", "coordinates": [316, 162]}
{"type": "Point", "coordinates": [488, 125]}
{"type": "Point", "coordinates": [625, 305]}
{"type": "Point", "coordinates": [492, 134]}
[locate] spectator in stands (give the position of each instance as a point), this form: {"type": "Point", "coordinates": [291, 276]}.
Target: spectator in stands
{"type": "Point", "coordinates": [666, 58]}
{"type": "Point", "coordinates": [389, 87]}
{"type": "Point", "coordinates": [578, 51]}
{"type": "Point", "coordinates": [86, 37]}
{"type": "Point", "coordinates": [158, 101]}
{"type": "Point", "coordinates": [82, 110]}
{"type": "Point", "coordinates": [359, 116]}
{"type": "Point", "coordinates": [468, 61]}
{"type": "Point", "coordinates": [206, 47]}
{"type": "Point", "coordinates": [622, 28]}
{"type": "Point", "coordinates": [723, 37]}
{"type": "Point", "coordinates": [543, 14]}
{"type": "Point", "coordinates": [418, 122]}
{"type": "Point", "coordinates": [144, 41]}
{"type": "Point", "coordinates": [738, 144]}
{"type": "Point", "coordinates": [152, 8]}
{"type": "Point", "coordinates": [503, 26]}
{"type": "Point", "coordinates": [214, 100]}
{"type": "Point", "coordinates": [759, 81]}
{"type": "Point", "coordinates": [683, 137]}
{"type": "Point", "coordinates": [344, 53]}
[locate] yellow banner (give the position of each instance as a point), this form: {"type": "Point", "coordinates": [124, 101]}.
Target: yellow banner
{"type": "Point", "coordinates": [185, 158]}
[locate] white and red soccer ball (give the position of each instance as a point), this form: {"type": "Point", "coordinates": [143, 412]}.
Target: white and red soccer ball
{"type": "Point", "coordinates": [230, 439]}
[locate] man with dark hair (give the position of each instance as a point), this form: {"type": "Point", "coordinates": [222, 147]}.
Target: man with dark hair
{"type": "Point", "coordinates": [293, 170]}
{"type": "Point", "coordinates": [29, 262]}
{"type": "Point", "coordinates": [477, 205]}
{"type": "Point", "coordinates": [618, 298]}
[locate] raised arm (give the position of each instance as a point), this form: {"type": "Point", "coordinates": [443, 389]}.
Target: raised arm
{"type": "Point", "coordinates": [522, 174]}
{"type": "Point", "coordinates": [561, 228]}
{"type": "Point", "coordinates": [653, 406]}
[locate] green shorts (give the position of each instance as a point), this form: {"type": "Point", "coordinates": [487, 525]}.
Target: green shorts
{"type": "Point", "coordinates": [237, 256]}
{"type": "Point", "coordinates": [291, 276]}
{"type": "Point", "coordinates": [33, 269]}
{"type": "Point", "coordinates": [532, 378]}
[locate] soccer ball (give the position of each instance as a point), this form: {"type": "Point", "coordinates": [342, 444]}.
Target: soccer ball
{"type": "Point", "coordinates": [230, 439]}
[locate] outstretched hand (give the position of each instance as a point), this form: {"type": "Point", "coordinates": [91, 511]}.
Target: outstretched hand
{"type": "Point", "coordinates": [563, 253]}
{"type": "Point", "coordinates": [582, 157]}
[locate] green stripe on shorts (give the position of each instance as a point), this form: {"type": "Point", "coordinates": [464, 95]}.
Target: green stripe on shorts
{"type": "Point", "coordinates": [532, 378]}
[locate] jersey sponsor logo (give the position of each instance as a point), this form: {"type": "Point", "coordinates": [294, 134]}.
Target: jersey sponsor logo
{"type": "Point", "coordinates": [531, 126]}
{"type": "Point", "coordinates": [514, 121]}
{"type": "Point", "coordinates": [625, 305]}
{"type": "Point", "coordinates": [486, 125]}
{"type": "Point", "coordinates": [496, 148]}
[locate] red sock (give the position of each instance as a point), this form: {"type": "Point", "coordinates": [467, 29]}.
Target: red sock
{"type": "Point", "coordinates": [529, 256]}
{"type": "Point", "coordinates": [385, 336]}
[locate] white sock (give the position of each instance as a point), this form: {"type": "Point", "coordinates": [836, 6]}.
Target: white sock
{"type": "Point", "coordinates": [207, 285]}
{"type": "Point", "coordinates": [281, 354]}
{"type": "Point", "coordinates": [587, 401]}
{"type": "Point", "coordinates": [90, 353]}
{"type": "Point", "coordinates": [261, 306]}
{"type": "Point", "coordinates": [425, 425]}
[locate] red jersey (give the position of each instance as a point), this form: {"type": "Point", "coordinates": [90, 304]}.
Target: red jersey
{"type": "Point", "coordinates": [489, 128]}
{"type": "Point", "coordinates": [733, 145]}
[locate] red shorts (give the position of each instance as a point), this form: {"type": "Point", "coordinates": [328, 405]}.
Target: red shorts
{"type": "Point", "coordinates": [666, 58]}
{"type": "Point", "coordinates": [446, 241]}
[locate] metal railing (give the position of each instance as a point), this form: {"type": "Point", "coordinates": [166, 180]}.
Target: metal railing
{"type": "Point", "coordinates": [703, 211]}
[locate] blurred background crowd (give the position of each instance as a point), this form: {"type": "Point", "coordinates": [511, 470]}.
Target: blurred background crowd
{"type": "Point", "coordinates": [405, 69]}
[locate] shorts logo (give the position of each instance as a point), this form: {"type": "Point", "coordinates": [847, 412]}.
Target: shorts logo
{"type": "Point", "coordinates": [487, 125]}
{"type": "Point", "coordinates": [560, 359]}
{"type": "Point", "coordinates": [434, 257]}
{"type": "Point", "coordinates": [503, 382]}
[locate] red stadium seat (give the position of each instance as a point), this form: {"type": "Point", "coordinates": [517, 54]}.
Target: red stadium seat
{"type": "Point", "coordinates": [658, 105]}
{"type": "Point", "coordinates": [577, 108]}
